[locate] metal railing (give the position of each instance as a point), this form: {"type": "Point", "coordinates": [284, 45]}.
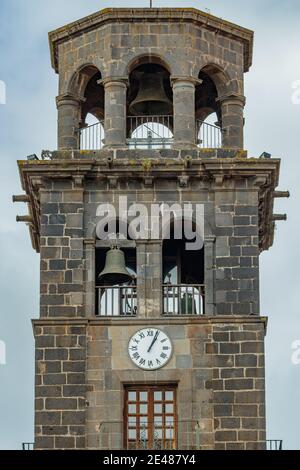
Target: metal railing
{"type": "Point", "coordinates": [273, 444]}
{"type": "Point", "coordinates": [183, 299]}
{"type": "Point", "coordinates": [27, 445]}
{"type": "Point", "coordinates": [149, 132]}
{"type": "Point", "coordinates": [183, 435]}
{"type": "Point", "coordinates": [116, 301]}
{"type": "Point", "coordinates": [178, 299]}
{"type": "Point", "coordinates": [91, 137]}
{"type": "Point", "coordinates": [208, 135]}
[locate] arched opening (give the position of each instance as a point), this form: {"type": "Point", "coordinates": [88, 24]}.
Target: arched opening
{"type": "Point", "coordinates": [208, 112]}
{"type": "Point", "coordinates": [149, 105]}
{"type": "Point", "coordinates": [91, 128]}
{"type": "Point", "coordinates": [183, 276]}
{"type": "Point", "coordinates": [116, 256]}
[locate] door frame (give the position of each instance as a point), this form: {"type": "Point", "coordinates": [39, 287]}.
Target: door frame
{"type": "Point", "coordinates": [173, 386]}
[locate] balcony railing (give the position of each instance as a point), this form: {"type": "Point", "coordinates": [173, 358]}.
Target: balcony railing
{"type": "Point", "coordinates": [112, 437]}
{"type": "Point", "coordinates": [116, 301]}
{"type": "Point", "coordinates": [274, 444]}
{"type": "Point", "coordinates": [91, 137]}
{"type": "Point", "coordinates": [183, 299]}
{"type": "Point", "coordinates": [183, 435]}
{"type": "Point", "coordinates": [27, 445]}
{"type": "Point", "coordinates": [150, 132]}
{"type": "Point", "coordinates": [178, 299]}
{"type": "Point", "coordinates": [208, 135]}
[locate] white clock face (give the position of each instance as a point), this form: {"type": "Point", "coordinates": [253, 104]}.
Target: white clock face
{"type": "Point", "coordinates": [150, 348]}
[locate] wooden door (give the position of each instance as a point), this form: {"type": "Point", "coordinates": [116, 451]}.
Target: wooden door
{"type": "Point", "coordinates": [150, 417]}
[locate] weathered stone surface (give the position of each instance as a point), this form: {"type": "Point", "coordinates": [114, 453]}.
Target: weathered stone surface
{"type": "Point", "coordinates": [218, 358]}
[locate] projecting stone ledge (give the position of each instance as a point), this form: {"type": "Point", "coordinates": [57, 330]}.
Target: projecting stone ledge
{"type": "Point", "coordinates": [221, 176]}
{"type": "Point", "coordinates": [133, 154]}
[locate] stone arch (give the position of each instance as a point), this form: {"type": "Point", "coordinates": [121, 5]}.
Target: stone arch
{"type": "Point", "coordinates": [80, 78]}
{"type": "Point", "coordinates": [220, 77]}
{"type": "Point", "coordinates": [84, 84]}
{"type": "Point", "coordinates": [147, 58]}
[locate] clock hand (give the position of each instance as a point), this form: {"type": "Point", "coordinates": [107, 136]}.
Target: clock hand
{"type": "Point", "coordinates": [154, 339]}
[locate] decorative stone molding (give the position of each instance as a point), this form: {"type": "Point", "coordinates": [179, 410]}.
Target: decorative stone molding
{"type": "Point", "coordinates": [232, 98]}
{"type": "Point", "coordinates": [182, 80]}
{"type": "Point", "coordinates": [153, 15]}
{"type": "Point", "coordinates": [260, 181]}
{"type": "Point", "coordinates": [263, 173]}
{"type": "Point", "coordinates": [69, 99]}
{"type": "Point", "coordinates": [37, 183]}
{"type": "Point", "coordinates": [148, 181]}
{"type": "Point", "coordinates": [78, 181]}
{"type": "Point", "coordinates": [112, 182]}
{"type": "Point", "coordinates": [109, 81]}
{"type": "Point", "coordinates": [219, 180]}
{"type": "Point", "coordinates": [183, 181]}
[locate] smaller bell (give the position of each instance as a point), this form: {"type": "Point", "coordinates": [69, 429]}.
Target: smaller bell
{"type": "Point", "coordinates": [115, 271]}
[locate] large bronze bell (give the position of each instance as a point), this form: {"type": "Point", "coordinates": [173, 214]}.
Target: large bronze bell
{"type": "Point", "coordinates": [151, 98]}
{"type": "Point", "coordinates": [114, 271]}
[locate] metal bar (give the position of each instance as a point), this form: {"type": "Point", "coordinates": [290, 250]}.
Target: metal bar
{"type": "Point", "coordinates": [116, 300]}
{"type": "Point", "coordinates": [183, 298]}
{"type": "Point", "coordinates": [210, 135]}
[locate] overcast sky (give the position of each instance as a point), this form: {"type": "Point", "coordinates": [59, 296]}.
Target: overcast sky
{"type": "Point", "coordinates": [28, 125]}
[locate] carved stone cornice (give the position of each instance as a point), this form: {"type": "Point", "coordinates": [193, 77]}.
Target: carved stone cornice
{"type": "Point", "coordinates": [152, 15]}
{"type": "Point", "coordinates": [220, 174]}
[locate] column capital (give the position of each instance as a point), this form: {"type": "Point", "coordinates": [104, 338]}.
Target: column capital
{"type": "Point", "coordinates": [179, 80]}
{"type": "Point", "coordinates": [232, 98]}
{"type": "Point", "coordinates": [69, 98]}
{"type": "Point", "coordinates": [110, 81]}
{"type": "Point", "coordinates": [209, 239]}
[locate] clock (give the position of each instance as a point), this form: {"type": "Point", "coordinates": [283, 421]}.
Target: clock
{"type": "Point", "coordinates": [150, 348]}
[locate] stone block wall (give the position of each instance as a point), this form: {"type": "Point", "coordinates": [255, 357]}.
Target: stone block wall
{"type": "Point", "coordinates": [60, 385]}
{"type": "Point", "coordinates": [239, 386]}
{"type": "Point", "coordinates": [81, 370]}
{"type": "Point", "coordinates": [237, 251]}
{"type": "Point", "coordinates": [185, 46]}
{"type": "Point", "coordinates": [69, 218]}
{"type": "Point", "coordinates": [184, 42]}
{"type": "Point", "coordinates": [81, 360]}
{"type": "Point", "coordinates": [217, 365]}
{"type": "Point", "coordinates": [61, 248]}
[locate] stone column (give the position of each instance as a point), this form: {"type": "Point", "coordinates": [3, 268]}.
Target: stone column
{"type": "Point", "coordinates": [69, 107]}
{"type": "Point", "coordinates": [115, 111]}
{"type": "Point", "coordinates": [149, 278]}
{"type": "Point", "coordinates": [184, 110]}
{"type": "Point", "coordinates": [209, 248]}
{"type": "Point", "coordinates": [90, 277]}
{"type": "Point", "coordinates": [141, 262]}
{"type": "Point", "coordinates": [232, 107]}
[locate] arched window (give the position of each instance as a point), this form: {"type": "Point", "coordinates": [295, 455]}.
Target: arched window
{"type": "Point", "coordinates": [208, 110]}
{"type": "Point", "coordinates": [115, 255]}
{"type": "Point", "coordinates": [149, 106]}
{"type": "Point", "coordinates": [91, 131]}
{"type": "Point", "coordinates": [183, 277]}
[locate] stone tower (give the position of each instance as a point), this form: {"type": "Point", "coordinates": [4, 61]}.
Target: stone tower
{"type": "Point", "coordinates": [174, 358]}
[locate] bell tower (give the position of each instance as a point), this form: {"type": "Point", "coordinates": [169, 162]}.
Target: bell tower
{"type": "Point", "coordinates": [145, 340]}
